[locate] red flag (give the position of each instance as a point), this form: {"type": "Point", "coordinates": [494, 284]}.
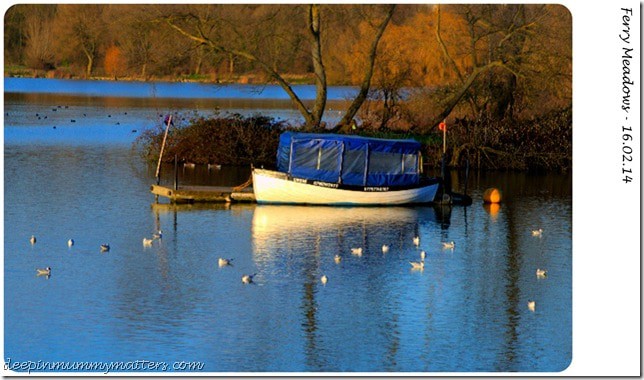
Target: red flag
{"type": "Point", "coordinates": [442, 126]}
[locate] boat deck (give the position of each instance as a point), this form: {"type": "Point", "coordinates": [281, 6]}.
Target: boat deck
{"type": "Point", "coordinates": [197, 194]}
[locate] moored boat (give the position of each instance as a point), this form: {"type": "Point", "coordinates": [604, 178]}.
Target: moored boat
{"type": "Point", "coordinates": [330, 169]}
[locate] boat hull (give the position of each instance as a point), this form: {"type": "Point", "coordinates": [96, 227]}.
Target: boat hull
{"type": "Point", "coordinates": [276, 187]}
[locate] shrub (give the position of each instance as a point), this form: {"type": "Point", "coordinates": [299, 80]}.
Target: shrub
{"type": "Point", "coordinates": [230, 139]}
{"type": "Point", "coordinates": [542, 143]}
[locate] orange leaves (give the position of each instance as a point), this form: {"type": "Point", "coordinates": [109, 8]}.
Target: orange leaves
{"type": "Point", "coordinates": [408, 49]}
{"type": "Point", "coordinates": [114, 61]}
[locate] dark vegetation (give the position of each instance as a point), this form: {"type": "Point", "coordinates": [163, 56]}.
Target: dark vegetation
{"type": "Point", "coordinates": [225, 140]}
{"type": "Point", "coordinates": [540, 143]}
{"type": "Point", "coordinates": [543, 143]}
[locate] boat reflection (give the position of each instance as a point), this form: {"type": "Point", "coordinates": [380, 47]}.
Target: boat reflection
{"type": "Point", "coordinates": [275, 225]}
{"type": "Point", "coordinates": [296, 245]}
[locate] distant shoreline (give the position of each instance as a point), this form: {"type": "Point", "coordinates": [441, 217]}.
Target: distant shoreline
{"type": "Point", "coordinates": [205, 78]}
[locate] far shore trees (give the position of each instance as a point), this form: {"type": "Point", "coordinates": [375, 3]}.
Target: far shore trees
{"type": "Point", "coordinates": [483, 67]}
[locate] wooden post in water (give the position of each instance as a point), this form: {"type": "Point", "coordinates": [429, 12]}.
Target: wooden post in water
{"type": "Point", "coordinates": [447, 183]}
{"type": "Point", "coordinates": [467, 173]}
{"type": "Point", "coordinates": [176, 173]}
{"type": "Point", "coordinates": [165, 136]}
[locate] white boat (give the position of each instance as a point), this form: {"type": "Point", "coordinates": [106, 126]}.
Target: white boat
{"type": "Point", "coordinates": [276, 187]}
{"type": "Point", "coordinates": [328, 169]}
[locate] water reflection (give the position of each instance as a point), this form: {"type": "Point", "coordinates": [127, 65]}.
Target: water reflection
{"type": "Point", "coordinates": [467, 311]}
{"type": "Point", "coordinates": [276, 226]}
{"type": "Point", "coordinates": [300, 242]}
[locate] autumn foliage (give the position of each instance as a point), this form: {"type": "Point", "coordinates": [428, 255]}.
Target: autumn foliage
{"type": "Point", "coordinates": [114, 62]}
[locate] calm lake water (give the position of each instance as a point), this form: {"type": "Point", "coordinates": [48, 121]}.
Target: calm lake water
{"type": "Point", "coordinates": [467, 311]}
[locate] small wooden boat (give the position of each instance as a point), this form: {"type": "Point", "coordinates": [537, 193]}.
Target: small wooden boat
{"type": "Point", "coordinates": [329, 169]}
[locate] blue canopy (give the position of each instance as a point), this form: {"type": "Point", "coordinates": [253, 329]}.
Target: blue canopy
{"type": "Point", "coordinates": [349, 160]}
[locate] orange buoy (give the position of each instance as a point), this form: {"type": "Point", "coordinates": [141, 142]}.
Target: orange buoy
{"type": "Point", "coordinates": [492, 195]}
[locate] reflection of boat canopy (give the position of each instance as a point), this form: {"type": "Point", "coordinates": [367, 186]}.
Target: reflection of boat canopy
{"type": "Point", "coordinates": [349, 160]}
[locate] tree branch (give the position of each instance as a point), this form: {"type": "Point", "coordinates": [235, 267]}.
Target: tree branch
{"type": "Point", "coordinates": [441, 43]}
{"type": "Point", "coordinates": [202, 39]}
{"type": "Point", "coordinates": [343, 126]}
{"type": "Point", "coordinates": [457, 96]}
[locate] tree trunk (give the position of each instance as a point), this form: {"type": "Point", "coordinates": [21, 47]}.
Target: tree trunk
{"type": "Point", "coordinates": [199, 60]}
{"type": "Point", "coordinates": [345, 124]}
{"type": "Point", "coordinates": [388, 104]}
{"type": "Point", "coordinates": [90, 61]}
{"type": "Point", "coordinates": [90, 64]}
{"type": "Point", "coordinates": [449, 58]}
{"type": "Point", "coordinates": [318, 68]}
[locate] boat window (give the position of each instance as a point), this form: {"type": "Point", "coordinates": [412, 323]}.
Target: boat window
{"type": "Point", "coordinates": [329, 158]}
{"type": "Point", "coordinates": [305, 156]}
{"type": "Point", "coordinates": [353, 161]}
{"type": "Point", "coordinates": [316, 155]}
{"type": "Point", "coordinates": [385, 163]}
{"type": "Point", "coordinates": [410, 163]}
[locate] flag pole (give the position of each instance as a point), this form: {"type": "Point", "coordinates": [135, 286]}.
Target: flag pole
{"type": "Point", "coordinates": [165, 136]}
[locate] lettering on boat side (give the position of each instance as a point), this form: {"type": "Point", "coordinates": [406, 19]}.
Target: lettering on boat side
{"type": "Point", "coordinates": [376, 188]}
{"type": "Point", "coordinates": [326, 184]}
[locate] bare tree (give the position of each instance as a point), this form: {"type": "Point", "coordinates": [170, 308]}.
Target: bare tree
{"type": "Point", "coordinates": [39, 50]}
{"type": "Point", "coordinates": [208, 28]}
{"type": "Point", "coordinates": [80, 29]}
{"type": "Point", "coordinates": [132, 29]}
{"type": "Point", "coordinates": [225, 36]}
